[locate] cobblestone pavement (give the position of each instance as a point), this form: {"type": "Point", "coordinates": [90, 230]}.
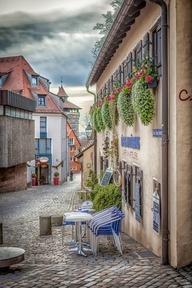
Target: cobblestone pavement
{"type": "Point", "coordinates": [49, 264]}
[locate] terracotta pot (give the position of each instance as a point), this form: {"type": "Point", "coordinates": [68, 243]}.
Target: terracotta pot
{"type": "Point", "coordinates": [56, 180]}
{"type": "Point", "coordinates": [153, 84]}
{"type": "Point", "coordinates": [34, 181]}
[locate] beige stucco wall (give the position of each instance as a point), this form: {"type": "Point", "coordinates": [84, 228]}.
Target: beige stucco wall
{"type": "Point", "coordinates": [180, 134]}
{"type": "Point", "coordinates": [184, 131]}
{"type": "Point", "coordinates": [148, 158]}
{"type": "Point", "coordinates": [88, 162]}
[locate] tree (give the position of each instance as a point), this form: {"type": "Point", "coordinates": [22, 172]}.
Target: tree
{"type": "Point", "coordinates": [103, 28]}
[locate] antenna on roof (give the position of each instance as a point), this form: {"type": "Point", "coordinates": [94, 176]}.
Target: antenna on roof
{"type": "Point", "coordinates": [61, 82]}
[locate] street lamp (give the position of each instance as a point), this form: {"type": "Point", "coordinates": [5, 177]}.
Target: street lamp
{"type": "Point", "coordinates": [88, 131]}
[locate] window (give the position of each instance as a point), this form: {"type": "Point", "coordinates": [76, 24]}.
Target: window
{"type": "Point", "coordinates": [1, 81]}
{"type": "Point", "coordinates": [1, 110]}
{"type": "Point", "coordinates": [138, 53]}
{"type": "Point", "coordinates": [129, 65]}
{"type": "Point", "coordinates": [13, 112]}
{"type": "Point", "coordinates": [18, 113]}
{"type": "Point", "coordinates": [34, 81]}
{"type": "Point", "coordinates": [70, 141]}
{"type": "Point", "coordinates": [146, 46]}
{"type": "Point", "coordinates": [138, 193]}
{"type": "Point", "coordinates": [156, 46]}
{"type": "Point", "coordinates": [42, 146]}
{"type": "Point", "coordinates": [41, 100]}
{"type": "Point", "coordinates": [43, 127]}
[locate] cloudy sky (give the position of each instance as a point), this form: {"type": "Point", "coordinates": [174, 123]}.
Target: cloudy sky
{"type": "Point", "coordinates": [56, 37]}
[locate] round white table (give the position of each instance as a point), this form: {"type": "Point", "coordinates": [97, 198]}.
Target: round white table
{"type": "Point", "coordinates": [78, 218]}
{"type": "Point", "coordinates": [10, 256]}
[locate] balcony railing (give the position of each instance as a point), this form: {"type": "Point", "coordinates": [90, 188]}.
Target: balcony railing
{"type": "Point", "coordinates": [9, 98]}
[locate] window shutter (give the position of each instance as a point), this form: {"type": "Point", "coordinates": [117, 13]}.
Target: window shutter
{"type": "Point", "coordinates": [129, 64]}
{"type": "Point", "coordinates": [146, 45]}
{"type": "Point", "coordinates": [129, 185]}
{"type": "Point", "coordinates": [124, 68]}
{"type": "Point", "coordinates": [138, 194]}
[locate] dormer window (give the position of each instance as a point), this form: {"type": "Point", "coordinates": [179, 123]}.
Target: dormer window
{"type": "Point", "coordinates": [34, 80]}
{"type": "Point", "coordinates": [41, 100]}
{"type": "Point", "coordinates": [3, 78]}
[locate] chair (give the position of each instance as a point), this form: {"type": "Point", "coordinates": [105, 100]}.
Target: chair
{"type": "Point", "coordinates": [106, 223]}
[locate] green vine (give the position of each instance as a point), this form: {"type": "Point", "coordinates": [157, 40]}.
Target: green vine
{"type": "Point", "coordinates": [99, 120]}
{"type": "Point", "coordinates": [94, 120]}
{"type": "Point", "coordinates": [106, 115]}
{"type": "Point", "coordinates": [125, 107]}
{"type": "Point", "coordinates": [143, 101]}
{"type": "Point", "coordinates": [113, 112]}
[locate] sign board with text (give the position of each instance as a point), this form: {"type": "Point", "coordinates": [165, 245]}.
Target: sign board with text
{"type": "Point", "coordinates": [107, 177]}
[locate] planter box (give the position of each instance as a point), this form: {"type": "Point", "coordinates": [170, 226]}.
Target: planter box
{"type": "Point", "coordinates": [153, 84]}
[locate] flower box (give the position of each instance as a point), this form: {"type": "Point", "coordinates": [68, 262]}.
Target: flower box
{"type": "Point", "coordinates": [153, 84]}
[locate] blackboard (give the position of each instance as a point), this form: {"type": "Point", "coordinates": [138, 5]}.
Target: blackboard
{"type": "Point", "coordinates": [106, 177]}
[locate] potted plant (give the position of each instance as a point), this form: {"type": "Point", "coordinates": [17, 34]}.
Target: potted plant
{"type": "Point", "coordinates": [56, 178]}
{"type": "Point", "coordinates": [33, 179]}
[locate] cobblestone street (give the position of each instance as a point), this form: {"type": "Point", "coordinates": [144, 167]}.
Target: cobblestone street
{"type": "Point", "coordinates": [49, 264]}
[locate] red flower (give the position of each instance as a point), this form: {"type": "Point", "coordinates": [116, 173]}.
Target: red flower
{"type": "Point", "coordinates": [129, 83]}
{"type": "Point", "coordinates": [111, 97]}
{"type": "Point", "coordinates": [149, 78]}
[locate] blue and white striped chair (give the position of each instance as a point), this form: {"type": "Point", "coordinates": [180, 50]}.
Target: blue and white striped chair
{"type": "Point", "coordinates": [106, 223]}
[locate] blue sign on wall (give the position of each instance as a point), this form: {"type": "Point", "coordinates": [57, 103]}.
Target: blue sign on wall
{"type": "Point", "coordinates": [130, 142]}
{"type": "Point", "coordinates": [157, 133]}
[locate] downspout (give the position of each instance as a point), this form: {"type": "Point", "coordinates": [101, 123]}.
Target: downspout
{"type": "Point", "coordinates": [95, 133]}
{"type": "Point", "coordinates": [165, 102]}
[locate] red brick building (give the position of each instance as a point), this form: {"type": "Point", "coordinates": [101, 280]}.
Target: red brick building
{"type": "Point", "coordinates": [74, 147]}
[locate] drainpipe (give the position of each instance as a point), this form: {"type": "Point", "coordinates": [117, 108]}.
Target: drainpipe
{"type": "Point", "coordinates": [95, 133]}
{"type": "Point", "coordinates": [164, 165]}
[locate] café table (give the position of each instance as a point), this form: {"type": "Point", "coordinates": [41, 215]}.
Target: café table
{"type": "Point", "coordinates": [79, 218]}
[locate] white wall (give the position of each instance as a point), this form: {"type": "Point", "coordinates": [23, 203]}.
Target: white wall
{"type": "Point", "coordinates": [57, 131]}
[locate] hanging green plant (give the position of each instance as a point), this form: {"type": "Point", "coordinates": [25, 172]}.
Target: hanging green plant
{"type": "Point", "coordinates": [106, 115]}
{"type": "Point", "coordinates": [125, 107]}
{"type": "Point", "coordinates": [143, 101]}
{"type": "Point", "coordinates": [99, 120]}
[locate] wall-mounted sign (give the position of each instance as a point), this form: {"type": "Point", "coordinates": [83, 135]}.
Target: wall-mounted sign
{"type": "Point", "coordinates": [133, 155]}
{"type": "Point", "coordinates": [157, 133]}
{"type": "Point", "coordinates": [156, 206]}
{"type": "Point", "coordinates": [130, 142]}
{"type": "Point", "coordinates": [107, 177]}
{"type": "Point", "coordinates": [43, 159]}
{"type": "Point", "coordinates": [184, 95]}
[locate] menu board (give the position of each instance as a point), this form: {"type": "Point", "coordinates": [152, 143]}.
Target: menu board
{"type": "Point", "coordinates": [107, 177]}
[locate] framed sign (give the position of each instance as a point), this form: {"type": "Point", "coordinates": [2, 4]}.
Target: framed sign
{"type": "Point", "coordinates": [156, 206]}
{"type": "Point", "coordinates": [107, 177]}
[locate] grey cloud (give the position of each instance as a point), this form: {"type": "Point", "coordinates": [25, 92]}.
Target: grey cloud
{"type": "Point", "coordinates": [55, 44]}
{"type": "Point", "coordinates": [26, 27]}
